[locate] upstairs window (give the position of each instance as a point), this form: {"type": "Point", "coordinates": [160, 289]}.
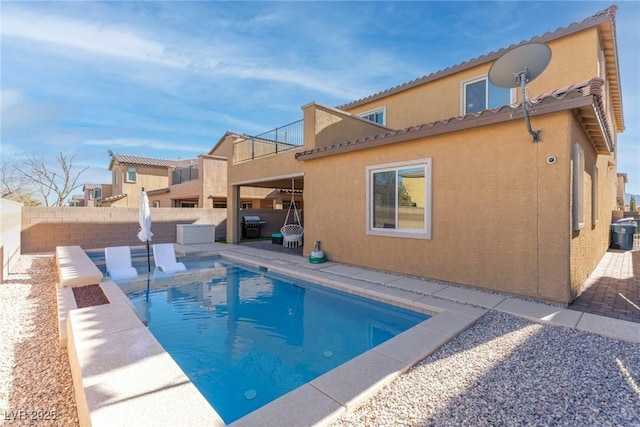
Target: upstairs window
{"type": "Point", "coordinates": [131, 175]}
{"type": "Point", "coordinates": [377, 115]}
{"type": "Point", "coordinates": [98, 193]}
{"type": "Point", "coordinates": [480, 94]}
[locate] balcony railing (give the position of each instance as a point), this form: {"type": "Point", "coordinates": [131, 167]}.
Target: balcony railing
{"type": "Point", "coordinates": [275, 141]}
{"type": "Point", "coordinates": [185, 174]}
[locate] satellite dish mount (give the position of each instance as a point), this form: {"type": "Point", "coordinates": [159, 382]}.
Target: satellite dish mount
{"type": "Point", "coordinates": [518, 67]}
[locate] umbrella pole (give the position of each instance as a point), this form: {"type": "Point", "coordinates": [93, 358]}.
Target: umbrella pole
{"type": "Point", "coordinates": [148, 258]}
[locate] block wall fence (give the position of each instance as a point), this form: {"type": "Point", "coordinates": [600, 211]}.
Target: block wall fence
{"type": "Point", "coordinates": [44, 228]}
{"type": "Point", "coordinates": [9, 235]}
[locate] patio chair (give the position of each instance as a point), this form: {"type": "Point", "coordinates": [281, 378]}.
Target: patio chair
{"type": "Point", "coordinates": [292, 235]}
{"type": "Point", "coordinates": [165, 258]}
{"type": "Point", "coordinates": [118, 260]}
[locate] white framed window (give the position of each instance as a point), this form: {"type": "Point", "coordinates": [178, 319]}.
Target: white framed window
{"type": "Point", "coordinates": [188, 204]}
{"type": "Point", "coordinates": [156, 203]}
{"type": "Point", "coordinates": [131, 175]}
{"type": "Point", "coordinates": [98, 193]}
{"type": "Point", "coordinates": [578, 188]}
{"type": "Point", "coordinates": [377, 115]}
{"type": "Point", "coordinates": [479, 94]}
{"type": "Point", "coordinates": [399, 199]}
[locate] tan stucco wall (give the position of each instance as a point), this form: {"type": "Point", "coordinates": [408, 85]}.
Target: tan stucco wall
{"type": "Point", "coordinates": [45, 228]}
{"type": "Point", "coordinates": [501, 217]}
{"type": "Point", "coordinates": [574, 59]}
{"type": "Point", "coordinates": [589, 244]}
{"type": "Point", "coordinates": [324, 126]}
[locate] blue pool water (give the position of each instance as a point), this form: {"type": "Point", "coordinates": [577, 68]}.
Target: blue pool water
{"type": "Point", "coordinates": [245, 336]}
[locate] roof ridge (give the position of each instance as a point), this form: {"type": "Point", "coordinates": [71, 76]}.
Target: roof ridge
{"type": "Point", "coordinates": [549, 35]}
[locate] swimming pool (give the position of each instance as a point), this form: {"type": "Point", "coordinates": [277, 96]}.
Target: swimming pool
{"type": "Point", "coordinates": [245, 337]}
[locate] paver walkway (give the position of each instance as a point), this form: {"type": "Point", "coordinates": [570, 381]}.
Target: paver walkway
{"type": "Point", "coordinates": [613, 289]}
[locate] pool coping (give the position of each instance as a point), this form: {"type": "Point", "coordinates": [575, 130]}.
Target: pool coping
{"type": "Point", "coordinates": [113, 355]}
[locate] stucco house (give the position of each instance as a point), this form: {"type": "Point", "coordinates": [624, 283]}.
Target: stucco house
{"type": "Point", "coordinates": [93, 193]}
{"type": "Point", "coordinates": [439, 178]}
{"type": "Point", "coordinates": [191, 183]}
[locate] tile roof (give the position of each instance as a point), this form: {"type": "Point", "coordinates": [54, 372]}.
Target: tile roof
{"type": "Point", "coordinates": [578, 96]}
{"type": "Point", "coordinates": [114, 198]}
{"type": "Point", "coordinates": [604, 16]}
{"type": "Point", "coordinates": [91, 186]}
{"type": "Point", "coordinates": [142, 161]}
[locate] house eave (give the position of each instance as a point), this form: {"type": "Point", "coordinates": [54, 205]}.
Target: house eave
{"type": "Point", "coordinates": [584, 98]}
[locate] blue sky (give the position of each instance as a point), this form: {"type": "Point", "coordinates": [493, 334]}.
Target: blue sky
{"type": "Point", "coordinates": [167, 79]}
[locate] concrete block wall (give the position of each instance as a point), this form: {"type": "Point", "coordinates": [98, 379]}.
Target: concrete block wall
{"type": "Point", "coordinates": [9, 235]}
{"type": "Point", "coordinates": [44, 228]}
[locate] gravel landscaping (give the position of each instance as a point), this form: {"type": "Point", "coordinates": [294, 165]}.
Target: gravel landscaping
{"type": "Point", "coordinates": [507, 371]}
{"type": "Point", "coordinates": [504, 370]}
{"type": "Point", "coordinates": [36, 387]}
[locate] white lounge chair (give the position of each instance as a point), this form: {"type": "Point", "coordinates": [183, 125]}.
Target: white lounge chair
{"type": "Point", "coordinates": [292, 235]}
{"type": "Point", "coordinates": [118, 261]}
{"type": "Point", "coordinates": [165, 258]}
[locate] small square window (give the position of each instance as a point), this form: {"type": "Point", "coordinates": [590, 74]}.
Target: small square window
{"type": "Point", "coordinates": [480, 94]}
{"type": "Point", "coordinates": [131, 175]}
{"type": "Point", "coordinates": [377, 115]}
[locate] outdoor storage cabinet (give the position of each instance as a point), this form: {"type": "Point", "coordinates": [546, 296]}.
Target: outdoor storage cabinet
{"type": "Point", "coordinates": [194, 234]}
{"type": "Point", "coordinates": [622, 236]}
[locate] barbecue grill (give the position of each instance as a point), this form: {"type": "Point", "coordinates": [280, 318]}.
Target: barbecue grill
{"type": "Point", "coordinates": [251, 226]}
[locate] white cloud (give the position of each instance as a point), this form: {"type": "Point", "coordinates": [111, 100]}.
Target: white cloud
{"type": "Point", "coordinates": [231, 55]}
{"type": "Point", "coordinates": [86, 36]}
{"type": "Point", "coordinates": [21, 113]}
{"type": "Point", "coordinates": [144, 143]}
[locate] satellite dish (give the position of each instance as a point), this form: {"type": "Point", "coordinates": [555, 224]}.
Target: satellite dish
{"type": "Point", "coordinates": [518, 67]}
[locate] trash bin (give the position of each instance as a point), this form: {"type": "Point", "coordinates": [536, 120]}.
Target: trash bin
{"type": "Point", "coordinates": [622, 236]}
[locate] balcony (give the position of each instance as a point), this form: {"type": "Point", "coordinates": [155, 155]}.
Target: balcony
{"type": "Point", "coordinates": [275, 141]}
{"type": "Point", "coordinates": [184, 174]}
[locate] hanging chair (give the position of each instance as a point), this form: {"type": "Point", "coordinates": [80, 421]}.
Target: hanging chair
{"type": "Point", "coordinates": [292, 233]}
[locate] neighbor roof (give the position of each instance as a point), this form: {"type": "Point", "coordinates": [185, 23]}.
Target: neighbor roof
{"type": "Point", "coordinates": [91, 186]}
{"type": "Point", "coordinates": [605, 20]}
{"type": "Point", "coordinates": [142, 161]}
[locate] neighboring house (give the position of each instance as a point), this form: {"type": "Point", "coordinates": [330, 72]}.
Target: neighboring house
{"type": "Point", "coordinates": [439, 178]}
{"type": "Point", "coordinates": [76, 201]}
{"type": "Point", "coordinates": [132, 173]}
{"type": "Point", "coordinates": [192, 183]}
{"type": "Point", "coordinates": [93, 193]}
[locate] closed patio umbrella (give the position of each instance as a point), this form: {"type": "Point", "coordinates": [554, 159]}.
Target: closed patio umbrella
{"type": "Point", "coordinates": [144, 219]}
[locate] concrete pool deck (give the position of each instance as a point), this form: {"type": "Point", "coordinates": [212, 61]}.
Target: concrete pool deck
{"type": "Point", "coordinates": [121, 374]}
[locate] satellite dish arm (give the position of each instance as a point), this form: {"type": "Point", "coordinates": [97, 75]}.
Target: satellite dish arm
{"type": "Point", "coordinates": [522, 77]}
